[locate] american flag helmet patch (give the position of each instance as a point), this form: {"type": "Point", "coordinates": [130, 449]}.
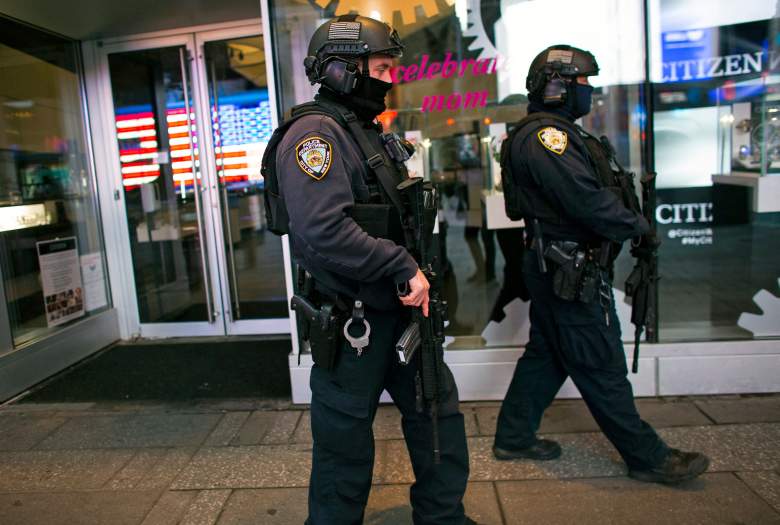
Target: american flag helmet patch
{"type": "Point", "coordinates": [344, 31]}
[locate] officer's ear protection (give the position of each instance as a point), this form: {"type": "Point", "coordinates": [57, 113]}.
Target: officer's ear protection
{"type": "Point", "coordinates": [551, 80]}
{"type": "Point", "coordinates": [555, 90]}
{"type": "Point", "coordinates": [334, 72]}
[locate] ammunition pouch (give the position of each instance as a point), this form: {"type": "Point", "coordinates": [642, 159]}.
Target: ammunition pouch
{"type": "Point", "coordinates": [319, 326]}
{"type": "Point", "coordinates": [577, 274]}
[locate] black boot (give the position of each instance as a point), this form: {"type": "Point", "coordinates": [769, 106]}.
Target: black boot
{"type": "Point", "coordinates": [542, 449]}
{"type": "Point", "coordinates": [678, 466]}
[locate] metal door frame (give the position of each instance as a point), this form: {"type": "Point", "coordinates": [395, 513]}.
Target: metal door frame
{"type": "Point", "coordinates": [113, 179]}
{"type": "Point", "coordinates": [111, 190]}
{"type": "Point", "coordinates": [247, 326]}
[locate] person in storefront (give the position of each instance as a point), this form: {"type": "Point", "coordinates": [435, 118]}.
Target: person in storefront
{"type": "Point", "coordinates": [558, 178]}
{"type": "Point", "coordinates": [324, 177]}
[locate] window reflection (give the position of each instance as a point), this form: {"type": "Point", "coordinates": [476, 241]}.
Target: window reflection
{"type": "Point", "coordinates": [50, 239]}
{"type": "Point", "coordinates": [716, 148]}
{"type": "Point", "coordinates": [460, 83]}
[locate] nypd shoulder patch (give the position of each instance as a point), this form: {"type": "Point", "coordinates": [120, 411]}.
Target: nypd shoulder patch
{"type": "Point", "coordinates": [553, 139]}
{"type": "Point", "coordinates": [314, 156]}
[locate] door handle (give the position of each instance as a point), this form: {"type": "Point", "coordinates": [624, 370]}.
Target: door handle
{"type": "Point", "coordinates": [196, 190]}
{"type": "Point", "coordinates": [235, 313]}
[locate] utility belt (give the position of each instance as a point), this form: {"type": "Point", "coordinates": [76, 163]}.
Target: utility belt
{"type": "Point", "coordinates": [578, 270]}
{"type": "Point", "coordinates": [325, 319]}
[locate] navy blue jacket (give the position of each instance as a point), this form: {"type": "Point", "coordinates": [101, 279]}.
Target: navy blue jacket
{"type": "Point", "coordinates": [324, 238]}
{"type": "Point", "coordinates": [557, 163]}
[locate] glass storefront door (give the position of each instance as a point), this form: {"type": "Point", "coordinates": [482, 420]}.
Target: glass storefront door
{"type": "Point", "coordinates": [192, 118]}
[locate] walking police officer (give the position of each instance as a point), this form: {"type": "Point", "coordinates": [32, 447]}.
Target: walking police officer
{"type": "Point", "coordinates": [331, 177]}
{"type": "Point", "coordinates": [579, 206]}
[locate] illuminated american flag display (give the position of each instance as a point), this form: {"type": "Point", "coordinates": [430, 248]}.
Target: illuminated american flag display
{"type": "Point", "coordinates": [241, 134]}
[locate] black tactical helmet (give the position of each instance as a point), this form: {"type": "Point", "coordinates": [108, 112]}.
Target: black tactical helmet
{"type": "Point", "coordinates": [337, 44]}
{"type": "Point", "coordinates": [554, 67]}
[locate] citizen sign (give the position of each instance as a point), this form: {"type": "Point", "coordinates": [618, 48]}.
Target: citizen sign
{"type": "Point", "coordinates": [683, 213]}
{"type": "Point", "coordinates": [719, 66]}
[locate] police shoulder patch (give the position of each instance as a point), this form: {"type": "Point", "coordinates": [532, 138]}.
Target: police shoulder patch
{"type": "Point", "coordinates": [314, 156]}
{"type": "Point", "coordinates": [553, 139]}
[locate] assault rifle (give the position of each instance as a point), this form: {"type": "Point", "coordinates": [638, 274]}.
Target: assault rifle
{"type": "Point", "coordinates": [424, 333]}
{"type": "Point", "coordinates": [642, 283]}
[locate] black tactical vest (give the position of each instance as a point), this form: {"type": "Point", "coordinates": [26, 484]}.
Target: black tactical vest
{"type": "Point", "coordinates": [380, 214]}
{"type": "Point", "coordinates": [524, 198]}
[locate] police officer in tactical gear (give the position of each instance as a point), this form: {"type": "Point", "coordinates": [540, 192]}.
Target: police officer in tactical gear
{"type": "Point", "coordinates": [579, 206]}
{"type": "Point", "coordinates": [331, 183]}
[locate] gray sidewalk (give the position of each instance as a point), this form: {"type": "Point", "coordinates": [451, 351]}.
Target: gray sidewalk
{"type": "Point", "coordinates": [241, 462]}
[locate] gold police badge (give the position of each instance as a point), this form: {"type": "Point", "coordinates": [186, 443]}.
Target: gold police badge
{"type": "Point", "coordinates": [553, 139]}
{"type": "Point", "coordinates": [314, 155]}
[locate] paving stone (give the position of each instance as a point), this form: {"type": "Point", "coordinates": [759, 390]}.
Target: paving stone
{"type": "Point", "coordinates": [283, 428]}
{"type": "Point", "coordinates": [44, 407]}
{"type": "Point", "coordinates": [266, 506]}
{"type": "Point", "coordinates": [742, 410]}
{"type": "Point", "coordinates": [205, 508]}
{"type": "Point", "coordinates": [132, 431]}
{"type": "Point", "coordinates": [254, 429]}
{"type": "Point", "coordinates": [167, 469]}
{"type": "Point", "coordinates": [389, 504]}
{"type": "Point", "coordinates": [170, 508]}
{"type": "Point", "coordinates": [226, 429]}
{"type": "Point", "coordinates": [60, 470]}
{"type": "Point", "coordinates": [486, 420]}
{"type": "Point", "coordinates": [585, 455]}
{"type": "Point", "coordinates": [22, 431]}
{"type": "Point", "coordinates": [664, 414]}
{"type": "Point", "coordinates": [76, 508]}
{"type": "Point", "coordinates": [387, 423]}
{"type": "Point", "coordinates": [302, 432]}
{"type": "Point", "coordinates": [470, 421]}
{"type": "Point", "coordinates": [570, 416]}
{"type": "Point", "coordinates": [133, 472]}
{"type": "Point", "coordinates": [574, 416]}
{"type": "Point", "coordinates": [712, 499]}
{"type": "Point", "coordinates": [481, 502]}
{"type": "Point", "coordinates": [267, 427]}
{"type": "Point", "coordinates": [731, 447]}
{"type": "Point", "coordinates": [247, 467]}
{"type": "Point", "coordinates": [766, 484]}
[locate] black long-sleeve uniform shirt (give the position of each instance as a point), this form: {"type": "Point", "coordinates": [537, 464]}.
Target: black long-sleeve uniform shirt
{"type": "Point", "coordinates": [321, 172]}
{"type": "Point", "coordinates": [563, 175]}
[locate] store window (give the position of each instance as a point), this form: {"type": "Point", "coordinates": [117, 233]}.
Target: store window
{"type": "Point", "coordinates": [715, 68]}
{"type": "Point", "coordinates": [460, 82]}
{"type": "Point", "coordinates": [51, 254]}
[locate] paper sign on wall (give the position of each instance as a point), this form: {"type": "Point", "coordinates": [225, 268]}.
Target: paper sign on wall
{"type": "Point", "coordinates": [94, 281]}
{"type": "Point", "coordinates": [63, 294]}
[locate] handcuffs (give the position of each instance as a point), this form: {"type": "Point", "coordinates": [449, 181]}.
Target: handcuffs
{"type": "Point", "coordinates": [358, 316]}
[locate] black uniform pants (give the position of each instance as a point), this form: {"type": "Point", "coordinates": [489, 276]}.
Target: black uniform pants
{"type": "Point", "coordinates": [572, 339]}
{"type": "Point", "coordinates": [344, 403]}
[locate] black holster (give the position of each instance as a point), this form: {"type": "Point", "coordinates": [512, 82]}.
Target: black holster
{"type": "Point", "coordinates": [576, 276]}
{"type": "Point", "coordinates": [320, 326]}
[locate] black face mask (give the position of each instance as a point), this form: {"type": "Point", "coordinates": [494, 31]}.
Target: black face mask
{"type": "Point", "coordinates": [368, 97]}
{"type": "Point", "coordinates": [581, 100]}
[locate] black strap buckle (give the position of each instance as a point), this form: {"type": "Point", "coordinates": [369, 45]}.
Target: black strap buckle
{"type": "Point", "coordinates": [375, 161]}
